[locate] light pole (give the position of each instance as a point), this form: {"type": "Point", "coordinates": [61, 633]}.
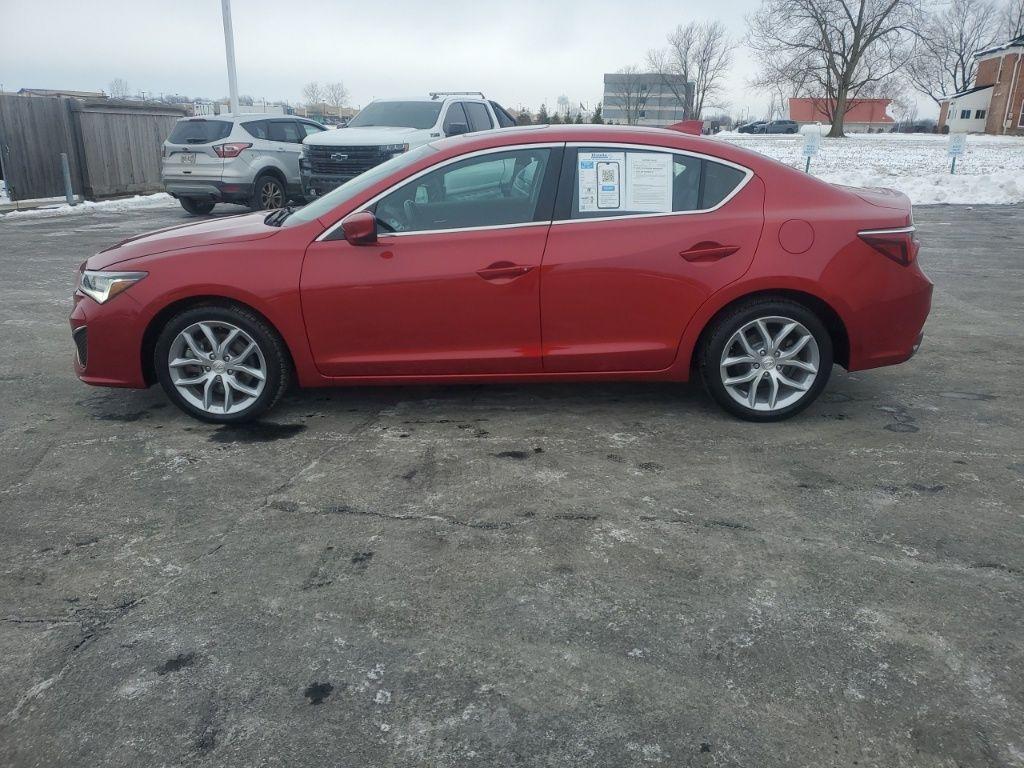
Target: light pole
{"type": "Point", "coordinates": [229, 49]}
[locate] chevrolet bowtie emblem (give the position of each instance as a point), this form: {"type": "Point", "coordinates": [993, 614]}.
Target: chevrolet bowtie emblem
{"type": "Point", "coordinates": [339, 156]}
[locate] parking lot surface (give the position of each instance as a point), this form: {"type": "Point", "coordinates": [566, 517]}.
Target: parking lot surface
{"type": "Point", "coordinates": [593, 575]}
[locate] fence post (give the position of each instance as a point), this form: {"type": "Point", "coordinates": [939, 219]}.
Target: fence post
{"type": "Point", "coordinates": [65, 169]}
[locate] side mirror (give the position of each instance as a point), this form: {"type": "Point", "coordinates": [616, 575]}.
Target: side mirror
{"type": "Point", "coordinates": [360, 228]}
{"type": "Point", "coordinates": [457, 129]}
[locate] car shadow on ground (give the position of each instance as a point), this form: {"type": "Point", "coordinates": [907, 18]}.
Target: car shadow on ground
{"type": "Point", "coordinates": [557, 403]}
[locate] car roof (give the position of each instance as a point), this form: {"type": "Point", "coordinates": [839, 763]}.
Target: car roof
{"type": "Point", "coordinates": [427, 99]}
{"type": "Point", "coordinates": [610, 134]}
{"type": "Point", "coordinates": [228, 117]}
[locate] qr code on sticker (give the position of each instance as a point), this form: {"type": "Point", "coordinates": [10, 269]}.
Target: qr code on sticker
{"type": "Point", "coordinates": [607, 175]}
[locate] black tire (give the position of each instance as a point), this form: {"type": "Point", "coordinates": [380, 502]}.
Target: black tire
{"type": "Point", "coordinates": [272, 347]}
{"type": "Point", "coordinates": [729, 322]}
{"type": "Point", "coordinates": [268, 193]}
{"type": "Point", "coordinates": [195, 206]}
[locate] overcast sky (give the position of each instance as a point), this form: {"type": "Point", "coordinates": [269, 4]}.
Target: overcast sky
{"type": "Point", "coordinates": [522, 52]}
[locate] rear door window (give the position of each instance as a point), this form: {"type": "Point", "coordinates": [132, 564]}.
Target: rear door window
{"type": "Point", "coordinates": [256, 128]}
{"type": "Point", "coordinates": [610, 181]}
{"type": "Point", "coordinates": [284, 130]}
{"type": "Point", "coordinates": [479, 119]}
{"type": "Point", "coordinates": [199, 131]}
{"type": "Point", "coordinates": [505, 120]}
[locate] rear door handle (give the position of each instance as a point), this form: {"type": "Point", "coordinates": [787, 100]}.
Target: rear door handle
{"type": "Point", "coordinates": [503, 270]}
{"type": "Point", "coordinates": [709, 251]}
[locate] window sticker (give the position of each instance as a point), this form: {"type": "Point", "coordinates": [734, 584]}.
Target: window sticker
{"type": "Point", "coordinates": [624, 181]}
{"type": "Point", "coordinates": [649, 182]}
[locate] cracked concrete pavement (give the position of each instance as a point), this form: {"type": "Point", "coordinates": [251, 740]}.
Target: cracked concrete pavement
{"type": "Point", "coordinates": [597, 574]}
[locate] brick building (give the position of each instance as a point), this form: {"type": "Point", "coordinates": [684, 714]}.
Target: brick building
{"type": "Point", "coordinates": [862, 115]}
{"type": "Point", "coordinates": [995, 103]}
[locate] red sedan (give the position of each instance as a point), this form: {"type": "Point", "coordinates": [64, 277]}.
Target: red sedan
{"type": "Point", "coordinates": [535, 254]}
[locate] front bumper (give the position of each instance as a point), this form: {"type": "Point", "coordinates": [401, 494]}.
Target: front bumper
{"type": "Point", "coordinates": [317, 184]}
{"type": "Point", "coordinates": [107, 342]}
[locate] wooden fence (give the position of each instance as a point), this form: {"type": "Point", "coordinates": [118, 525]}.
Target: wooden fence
{"type": "Point", "coordinates": [113, 147]}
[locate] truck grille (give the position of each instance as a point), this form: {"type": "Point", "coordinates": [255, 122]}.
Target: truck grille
{"type": "Point", "coordinates": [343, 161]}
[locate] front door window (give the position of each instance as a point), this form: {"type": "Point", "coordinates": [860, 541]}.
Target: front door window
{"type": "Point", "coordinates": [494, 189]}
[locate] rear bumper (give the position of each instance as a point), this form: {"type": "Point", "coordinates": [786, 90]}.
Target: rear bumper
{"type": "Point", "coordinates": [890, 332]}
{"type": "Point", "coordinates": [209, 190]}
{"type": "Point", "coordinates": [107, 342]}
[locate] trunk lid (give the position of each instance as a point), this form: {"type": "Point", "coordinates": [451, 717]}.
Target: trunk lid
{"type": "Point", "coordinates": [189, 153]}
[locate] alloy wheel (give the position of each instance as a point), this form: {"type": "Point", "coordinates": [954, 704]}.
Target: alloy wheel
{"type": "Point", "coordinates": [770, 363]}
{"type": "Point", "coordinates": [217, 367]}
{"type": "Point", "coordinates": [271, 196]}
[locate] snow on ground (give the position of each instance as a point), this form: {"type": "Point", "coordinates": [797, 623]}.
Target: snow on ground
{"type": "Point", "coordinates": [991, 170]}
{"type": "Point", "coordinates": [161, 200]}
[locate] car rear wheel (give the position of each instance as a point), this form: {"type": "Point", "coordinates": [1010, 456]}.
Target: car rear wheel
{"type": "Point", "coordinates": [767, 359]}
{"type": "Point", "coordinates": [195, 206]}
{"type": "Point", "coordinates": [221, 364]}
{"type": "Point", "coordinates": [268, 194]}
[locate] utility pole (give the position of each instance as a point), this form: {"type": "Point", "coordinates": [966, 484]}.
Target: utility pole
{"type": "Point", "coordinates": [229, 49]}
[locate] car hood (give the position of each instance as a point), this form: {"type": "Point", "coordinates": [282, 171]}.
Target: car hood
{"type": "Point", "coordinates": [362, 137]}
{"type": "Point", "coordinates": [248, 226]}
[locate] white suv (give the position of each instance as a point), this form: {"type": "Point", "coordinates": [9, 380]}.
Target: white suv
{"type": "Point", "coordinates": [388, 127]}
{"type": "Point", "coordinates": [249, 159]}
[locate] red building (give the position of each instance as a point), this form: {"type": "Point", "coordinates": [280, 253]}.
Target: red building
{"type": "Point", "coordinates": [863, 114]}
{"type": "Point", "coordinates": [995, 104]}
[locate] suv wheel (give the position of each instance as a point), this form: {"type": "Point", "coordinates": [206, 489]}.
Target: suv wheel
{"type": "Point", "coordinates": [195, 206]}
{"type": "Point", "coordinates": [268, 194]}
{"type": "Point", "coordinates": [767, 359]}
{"type": "Point", "coordinates": [222, 364]}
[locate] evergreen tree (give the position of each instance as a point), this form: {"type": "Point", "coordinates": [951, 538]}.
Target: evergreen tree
{"type": "Point", "coordinates": [596, 117]}
{"type": "Point", "coordinates": [542, 116]}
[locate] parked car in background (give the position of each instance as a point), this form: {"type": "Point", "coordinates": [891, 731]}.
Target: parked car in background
{"type": "Point", "coordinates": [560, 253]}
{"type": "Point", "coordinates": [388, 127]}
{"type": "Point", "coordinates": [755, 127]}
{"type": "Point", "coordinates": [770, 126]}
{"type": "Point", "coordinates": [248, 159]}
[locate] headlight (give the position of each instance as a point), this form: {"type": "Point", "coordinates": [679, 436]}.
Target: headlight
{"type": "Point", "coordinates": [103, 286]}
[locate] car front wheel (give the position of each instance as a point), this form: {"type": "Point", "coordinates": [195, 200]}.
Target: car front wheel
{"type": "Point", "coordinates": [221, 364]}
{"type": "Point", "coordinates": [767, 359]}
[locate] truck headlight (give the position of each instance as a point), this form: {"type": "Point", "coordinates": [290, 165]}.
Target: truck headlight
{"type": "Point", "coordinates": [103, 286]}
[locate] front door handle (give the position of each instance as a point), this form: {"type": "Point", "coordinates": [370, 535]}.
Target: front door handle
{"type": "Point", "coordinates": [709, 251]}
{"type": "Point", "coordinates": [503, 270]}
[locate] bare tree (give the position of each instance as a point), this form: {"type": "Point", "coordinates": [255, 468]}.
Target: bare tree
{"type": "Point", "coordinates": [336, 94]}
{"type": "Point", "coordinates": [943, 62]}
{"type": "Point", "coordinates": [698, 53]}
{"type": "Point", "coordinates": [1013, 19]}
{"type": "Point", "coordinates": [632, 94]}
{"type": "Point", "coordinates": [118, 88]}
{"type": "Point", "coordinates": [832, 50]}
{"type": "Point", "coordinates": [312, 94]}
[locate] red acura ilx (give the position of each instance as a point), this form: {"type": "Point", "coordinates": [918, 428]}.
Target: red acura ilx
{"type": "Point", "coordinates": [532, 254]}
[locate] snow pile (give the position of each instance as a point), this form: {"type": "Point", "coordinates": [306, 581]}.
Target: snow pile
{"type": "Point", "coordinates": [161, 200]}
{"type": "Point", "coordinates": [991, 170]}
{"type": "Point", "coordinates": [3, 192]}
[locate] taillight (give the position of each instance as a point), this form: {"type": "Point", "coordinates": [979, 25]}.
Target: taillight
{"type": "Point", "coordinates": [232, 149]}
{"type": "Point", "coordinates": [901, 245]}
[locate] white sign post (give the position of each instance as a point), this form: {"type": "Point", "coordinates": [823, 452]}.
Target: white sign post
{"type": "Point", "coordinates": [957, 146]}
{"type": "Point", "coordinates": [812, 143]}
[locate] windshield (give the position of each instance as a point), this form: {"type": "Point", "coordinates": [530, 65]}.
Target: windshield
{"type": "Point", "coordinates": [401, 114]}
{"type": "Point", "coordinates": [354, 187]}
